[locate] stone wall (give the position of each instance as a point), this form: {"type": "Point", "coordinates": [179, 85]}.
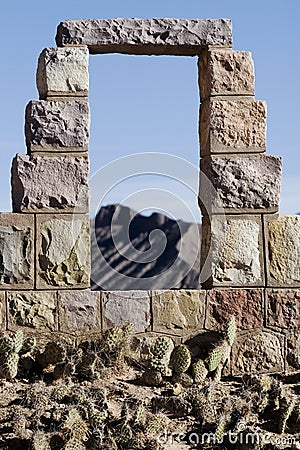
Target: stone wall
{"type": "Point", "coordinates": [250, 254]}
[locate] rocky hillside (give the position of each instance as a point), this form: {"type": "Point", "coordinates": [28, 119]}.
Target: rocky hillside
{"type": "Point", "coordinates": [132, 251]}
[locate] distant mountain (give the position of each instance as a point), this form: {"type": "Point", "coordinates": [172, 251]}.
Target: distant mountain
{"type": "Point", "coordinates": [132, 251]}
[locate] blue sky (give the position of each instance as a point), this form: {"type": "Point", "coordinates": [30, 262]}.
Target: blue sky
{"type": "Point", "coordinates": [150, 104]}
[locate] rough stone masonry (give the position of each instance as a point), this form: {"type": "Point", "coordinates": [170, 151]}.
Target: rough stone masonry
{"type": "Point", "coordinates": [250, 255]}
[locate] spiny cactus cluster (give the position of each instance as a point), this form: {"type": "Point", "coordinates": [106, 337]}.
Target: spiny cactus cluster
{"type": "Point", "coordinates": [12, 348]}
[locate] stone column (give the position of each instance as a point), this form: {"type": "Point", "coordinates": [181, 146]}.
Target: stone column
{"type": "Point", "coordinates": [51, 181]}
{"type": "Point", "coordinates": [239, 183]}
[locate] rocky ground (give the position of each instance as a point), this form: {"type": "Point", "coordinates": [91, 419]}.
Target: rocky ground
{"type": "Point", "coordinates": [119, 391]}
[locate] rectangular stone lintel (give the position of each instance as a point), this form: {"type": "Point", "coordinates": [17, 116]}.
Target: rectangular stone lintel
{"type": "Point", "coordinates": [183, 37]}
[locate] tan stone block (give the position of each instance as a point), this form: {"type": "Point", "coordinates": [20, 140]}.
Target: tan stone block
{"type": "Point", "coordinates": [246, 305]}
{"type": "Point", "coordinates": [283, 308]}
{"type": "Point", "coordinates": [232, 126]}
{"type": "Point", "coordinates": [2, 311]}
{"type": "Point", "coordinates": [16, 251]}
{"type": "Point", "coordinates": [63, 251]}
{"type": "Point", "coordinates": [293, 351]}
{"type": "Point", "coordinates": [232, 251]}
{"type": "Point", "coordinates": [225, 72]}
{"type": "Point", "coordinates": [123, 307]}
{"type": "Point", "coordinates": [259, 351]}
{"type": "Point", "coordinates": [35, 310]}
{"type": "Point", "coordinates": [282, 237]}
{"type": "Point", "coordinates": [242, 184]}
{"type": "Point", "coordinates": [57, 126]}
{"type": "Point", "coordinates": [79, 312]}
{"type": "Point", "coordinates": [50, 184]}
{"type": "Point", "coordinates": [63, 72]}
{"type": "Point", "coordinates": [178, 311]}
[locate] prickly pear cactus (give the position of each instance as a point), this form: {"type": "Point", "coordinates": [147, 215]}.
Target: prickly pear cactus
{"type": "Point", "coordinates": [18, 341]}
{"type": "Point", "coordinates": [231, 331]}
{"type": "Point", "coordinates": [158, 361]}
{"type": "Point", "coordinates": [199, 371]}
{"type": "Point", "coordinates": [10, 347]}
{"type": "Point", "coordinates": [28, 345]}
{"type": "Point", "coordinates": [113, 339]}
{"type": "Point", "coordinates": [10, 367]}
{"type": "Point", "coordinates": [216, 358]}
{"type": "Point", "coordinates": [152, 377]}
{"type": "Point", "coordinates": [180, 359]}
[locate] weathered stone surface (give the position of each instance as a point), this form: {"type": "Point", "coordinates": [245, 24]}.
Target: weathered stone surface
{"type": "Point", "coordinates": [79, 312]}
{"type": "Point", "coordinates": [121, 307]}
{"type": "Point", "coordinates": [2, 311]}
{"type": "Point", "coordinates": [225, 72]}
{"type": "Point", "coordinates": [246, 305]}
{"type": "Point", "coordinates": [16, 251]}
{"type": "Point", "coordinates": [178, 311]}
{"type": "Point", "coordinates": [283, 250]}
{"type": "Point", "coordinates": [57, 125]}
{"type": "Point", "coordinates": [63, 251]}
{"type": "Point", "coordinates": [63, 71]}
{"type": "Point", "coordinates": [293, 351]}
{"type": "Point", "coordinates": [258, 352]}
{"type": "Point", "coordinates": [32, 309]}
{"type": "Point", "coordinates": [283, 308]}
{"type": "Point", "coordinates": [145, 36]}
{"type": "Point", "coordinates": [231, 251]}
{"type": "Point", "coordinates": [232, 126]}
{"type": "Point", "coordinates": [47, 184]}
{"type": "Point", "coordinates": [242, 184]}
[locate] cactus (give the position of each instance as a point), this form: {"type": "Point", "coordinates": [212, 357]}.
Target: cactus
{"type": "Point", "coordinates": [180, 359]}
{"type": "Point", "coordinates": [76, 428]}
{"type": "Point", "coordinates": [215, 358]}
{"type": "Point", "coordinates": [182, 378]}
{"type": "Point", "coordinates": [54, 353]}
{"type": "Point", "coordinates": [220, 430]}
{"type": "Point", "coordinates": [87, 366]}
{"type": "Point", "coordinates": [9, 354]}
{"type": "Point", "coordinates": [159, 352]}
{"type": "Point", "coordinates": [113, 339]}
{"type": "Point", "coordinates": [287, 406]}
{"type": "Point", "coordinates": [231, 331]}
{"type": "Point", "coordinates": [40, 441]}
{"type": "Point", "coordinates": [199, 371]}
{"type": "Point", "coordinates": [28, 345]}
{"type": "Point", "coordinates": [139, 415]}
{"type": "Point", "coordinates": [156, 425]}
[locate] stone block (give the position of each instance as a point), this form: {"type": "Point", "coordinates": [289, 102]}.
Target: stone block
{"type": "Point", "coordinates": [35, 310]}
{"type": "Point", "coordinates": [242, 184]}
{"type": "Point", "coordinates": [178, 311]}
{"type": "Point", "coordinates": [293, 351]}
{"type": "Point", "coordinates": [282, 237]}
{"type": "Point", "coordinates": [2, 311]}
{"type": "Point", "coordinates": [259, 351]}
{"type": "Point", "coordinates": [50, 184]}
{"type": "Point", "coordinates": [63, 72]}
{"type": "Point", "coordinates": [231, 251]}
{"type": "Point", "coordinates": [145, 36]}
{"type": "Point", "coordinates": [16, 251]}
{"type": "Point", "coordinates": [63, 251]}
{"type": "Point", "coordinates": [57, 126]}
{"type": "Point", "coordinates": [225, 72]}
{"type": "Point", "coordinates": [79, 312]}
{"type": "Point", "coordinates": [283, 308]}
{"type": "Point", "coordinates": [246, 305]}
{"type": "Point", "coordinates": [232, 126]}
{"type": "Point", "coordinates": [122, 307]}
